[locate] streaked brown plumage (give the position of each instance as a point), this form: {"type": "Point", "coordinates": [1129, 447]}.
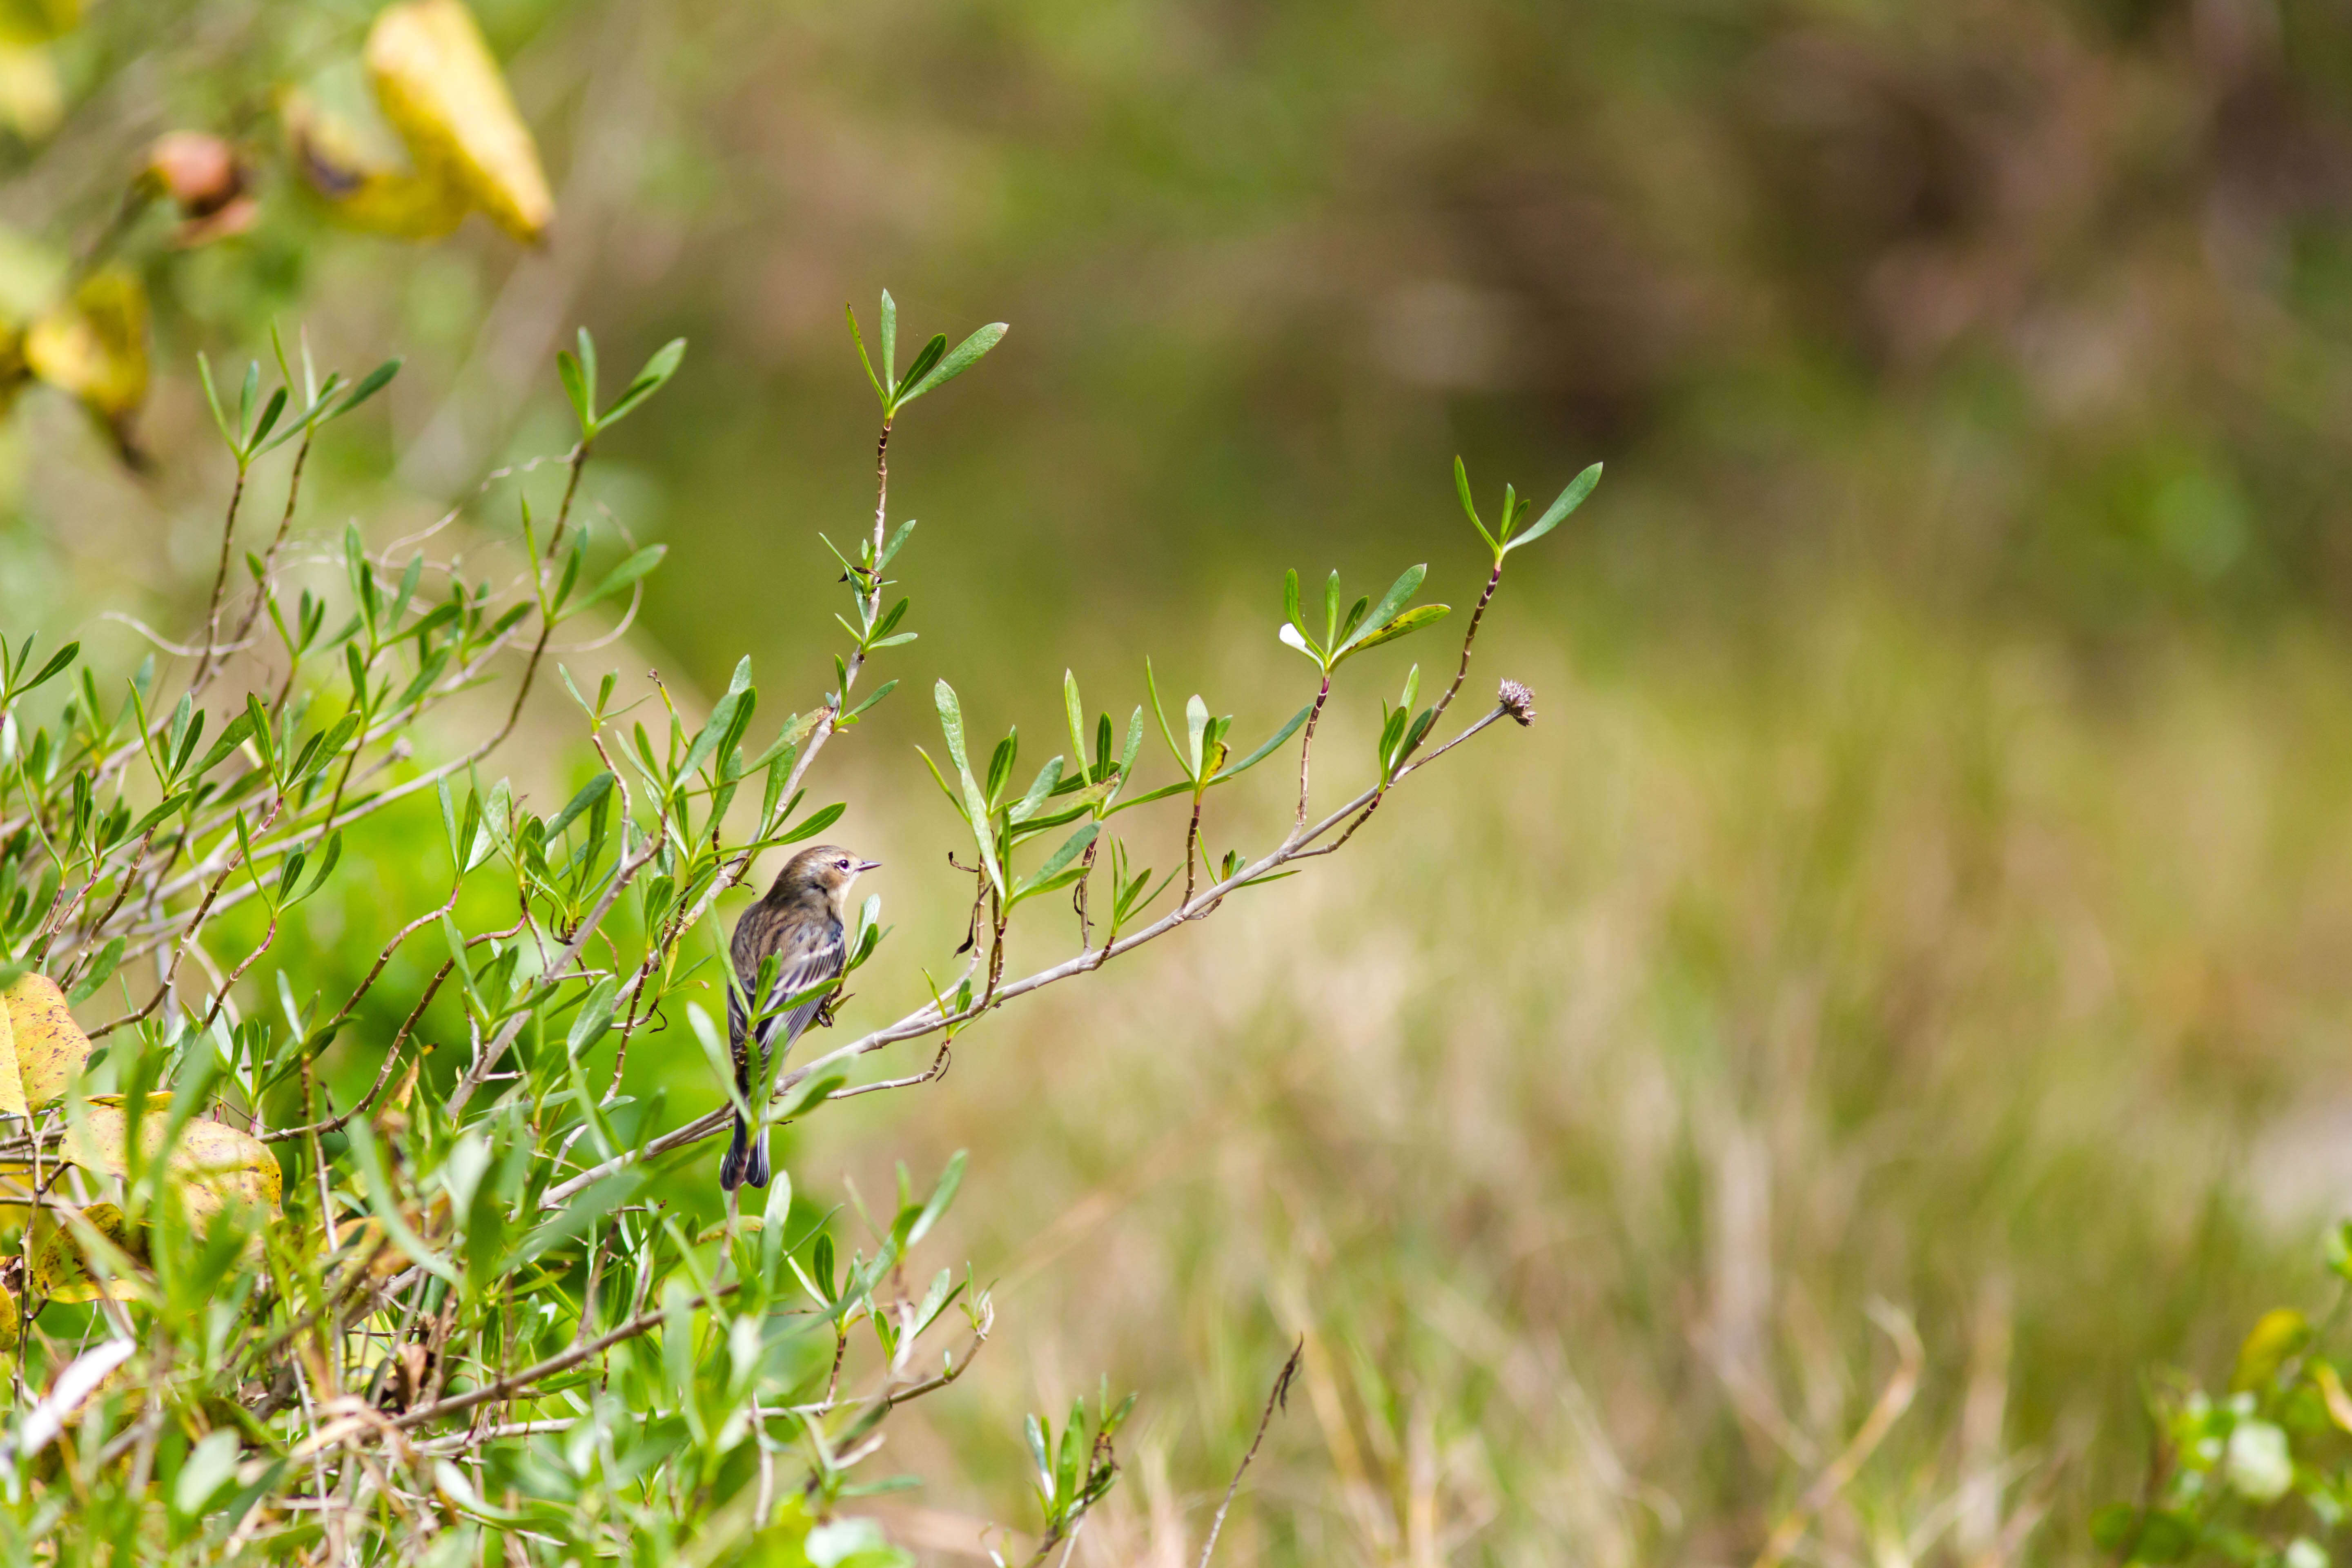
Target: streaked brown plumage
{"type": "Point", "coordinates": [801, 922]}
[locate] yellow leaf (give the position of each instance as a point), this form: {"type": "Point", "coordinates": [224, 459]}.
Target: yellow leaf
{"type": "Point", "coordinates": [50, 1047]}
{"type": "Point", "coordinates": [32, 100]}
{"type": "Point", "coordinates": [2332, 1394]}
{"type": "Point", "coordinates": [9, 1328]}
{"type": "Point", "coordinates": [37, 21]}
{"type": "Point", "coordinates": [437, 83]}
{"type": "Point", "coordinates": [62, 1252]}
{"type": "Point", "coordinates": [11, 1084]}
{"type": "Point", "coordinates": [95, 344]}
{"type": "Point", "coordinates": [2279, 1334]}
{"type": "Point", "coordinates": [16, 1182]}
{"type": "Point", "coordinates": [215, 1163]}
{"type": "Point", "coordinates": [362, 191]}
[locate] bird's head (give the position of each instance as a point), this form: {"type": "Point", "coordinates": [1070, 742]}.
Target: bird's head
{"type": "Point", "coordinates": [823, 872]}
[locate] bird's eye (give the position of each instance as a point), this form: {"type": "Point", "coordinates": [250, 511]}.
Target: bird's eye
{"type": "Point", "coordinates": [843, 865]}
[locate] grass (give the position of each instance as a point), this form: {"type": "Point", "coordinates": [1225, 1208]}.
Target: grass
{"type": "Point", "coordinates": [1604, 1126]}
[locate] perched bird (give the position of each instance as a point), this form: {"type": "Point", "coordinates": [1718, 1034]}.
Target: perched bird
{"type": "Point", "coordinates": [800, 922]}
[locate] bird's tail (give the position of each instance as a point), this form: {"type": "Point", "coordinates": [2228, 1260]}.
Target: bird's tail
{"type": "Point", "coordinates": [746, 1160]}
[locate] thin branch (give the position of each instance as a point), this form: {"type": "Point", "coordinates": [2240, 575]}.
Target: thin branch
{"type": "Point", "coordinates": [929, 1019]}
{"type": "Point", "coordinates": [1278, 1399]}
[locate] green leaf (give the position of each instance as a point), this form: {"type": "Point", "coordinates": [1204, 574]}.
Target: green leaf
{"type": "Point", "coordinates": [880, 691]}
{"type": "Point", "coordinates": [588, 370]}
{"type": "Point", "coordinates": [1134, 745]}
{"type": "Point", "coordinates": [925, 358]}
{"type": "Point", "coordinates": [975, 804]}
{"type": "Point", "coordinates": [375, 381]}
{"type": "Point", "coordinates": [1039, 789]}
{"type": "Point", "coordinates": [1407, 584]}
{"type": "Point", "coordinates": [100, 970]}
{"type": "Point", "coordinates": [1469, 507]}
{"type": "Point", "coordinates": [941, 1196]}
{"type": "Point", "coordinates": [961, 358]}
{"type": "Point", "coordinates": [1302, 642]}
{"type": "Point", "coordinates": [1279, 736]}
{"type": "Point", "coordinates": [1043, 879]}
{"type": "Point", "coordinates": [880, 390]}
{"type": "Point", "coordinates": [626, 572]}
{"type": "Point", "coordinates": [212, 400]}
{"type": "Point", "coordinates": [580, 1215]}
{"type": "Point", "coordinates": [49, 671]}
{"type": "Point", "coordinates": [1569, 499]}
{"type": "Point", "coordinates": [816, 822]}
{"type": "Point", "coordinates": [269, 413]}
{"type": "Point", "coordinates": [1075, 713]}
{"type": "Point", "coordinates": [722, 717]}
{"type": "Point", "coordinates": [889, 342]}
{"type": "Point", "coordinates": [1151, 687]}
{"type": "Point", "coordinates": [650, 380]}
{"type": "Point", "coordinates": [1411, 621]}
{"type": "Point", "coordinates": [576, 390]}
{"type": "Point", "coordinates": [1331, 608]}
{"type": "Point", "coordinates": [210, 1465]}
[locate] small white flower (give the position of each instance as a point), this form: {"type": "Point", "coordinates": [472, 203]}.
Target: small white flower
{"type": "Point", "coordinates": [2259, 1465]}
{"type": "Point", "coordinates": [2302, 1551]}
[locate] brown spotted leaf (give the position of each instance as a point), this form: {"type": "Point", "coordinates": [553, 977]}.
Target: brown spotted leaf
{"type": "Point", "coordinates": [49, 1047]}
{"type": "Point", "coordinates": [63, 1251]}
{"type": "Point", "coordinates": [12, 1083]}
{"type": "Point", "coordinates": [213, 1163]}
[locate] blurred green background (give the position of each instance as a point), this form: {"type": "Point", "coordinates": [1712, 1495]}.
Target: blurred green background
{"type": "Point", "coordinates": [1927, 882]}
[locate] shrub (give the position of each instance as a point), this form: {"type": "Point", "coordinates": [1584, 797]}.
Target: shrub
{"type": "Point", "coordinates": [448, 1317]}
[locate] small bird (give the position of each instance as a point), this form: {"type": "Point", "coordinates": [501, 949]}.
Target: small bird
{"type": "Point", "coordinates": [800, 922]}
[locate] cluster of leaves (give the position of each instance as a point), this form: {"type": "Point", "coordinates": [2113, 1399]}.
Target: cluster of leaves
{"type": "Point", "coordinates": [253, 1321]}
{"type": "Point", "coordinates": [2261, 1473]}
{"type": "Point", "coordinates": [464, 149]}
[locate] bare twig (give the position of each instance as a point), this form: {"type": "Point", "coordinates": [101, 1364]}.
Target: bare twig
{"type": "Point", "coordinates": [1278, 1398]}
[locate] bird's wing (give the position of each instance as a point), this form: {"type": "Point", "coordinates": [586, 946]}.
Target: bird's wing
{"type": "Point", "coordinates": [814, 958]}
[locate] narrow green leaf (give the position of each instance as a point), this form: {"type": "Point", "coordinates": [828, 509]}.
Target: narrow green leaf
{"type": "Point", "coordinates": [375, 381]}
{"type": "Point", "coordinates": [650, 380]}
{"type": "Point", "coordinates": [855, 336]}
{"type": "Point", "coordinates": [1075, 713]}
{"type": "Point", "coordinates": [925, 358]}
{"type": "Point", "coordinates": [1276, 738]}
{"type": "Point", "coordinates": [1151, 687]}
{"type": "Point", "coordinates": [592, 792]}
{"type": "Point", "coordinates": [1569, 499]}
{"type": "Point", "coordinates": [1413, 620]}
{"type": "Point", "coordinates": [626, 572]}
{"type": "Point", "coordinates": [1399, 591]}
{"type": "Point", "coordinates": [960, 359]}
{"type": "Point", "coordinates": [1072, 847]}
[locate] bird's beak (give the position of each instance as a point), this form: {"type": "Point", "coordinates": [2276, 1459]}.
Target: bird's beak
{"type": "Point", "coordinates": [869, 865]}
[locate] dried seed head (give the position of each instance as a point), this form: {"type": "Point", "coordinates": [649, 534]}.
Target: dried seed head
{"type": "Point", "coordinates": [1518, 701]}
